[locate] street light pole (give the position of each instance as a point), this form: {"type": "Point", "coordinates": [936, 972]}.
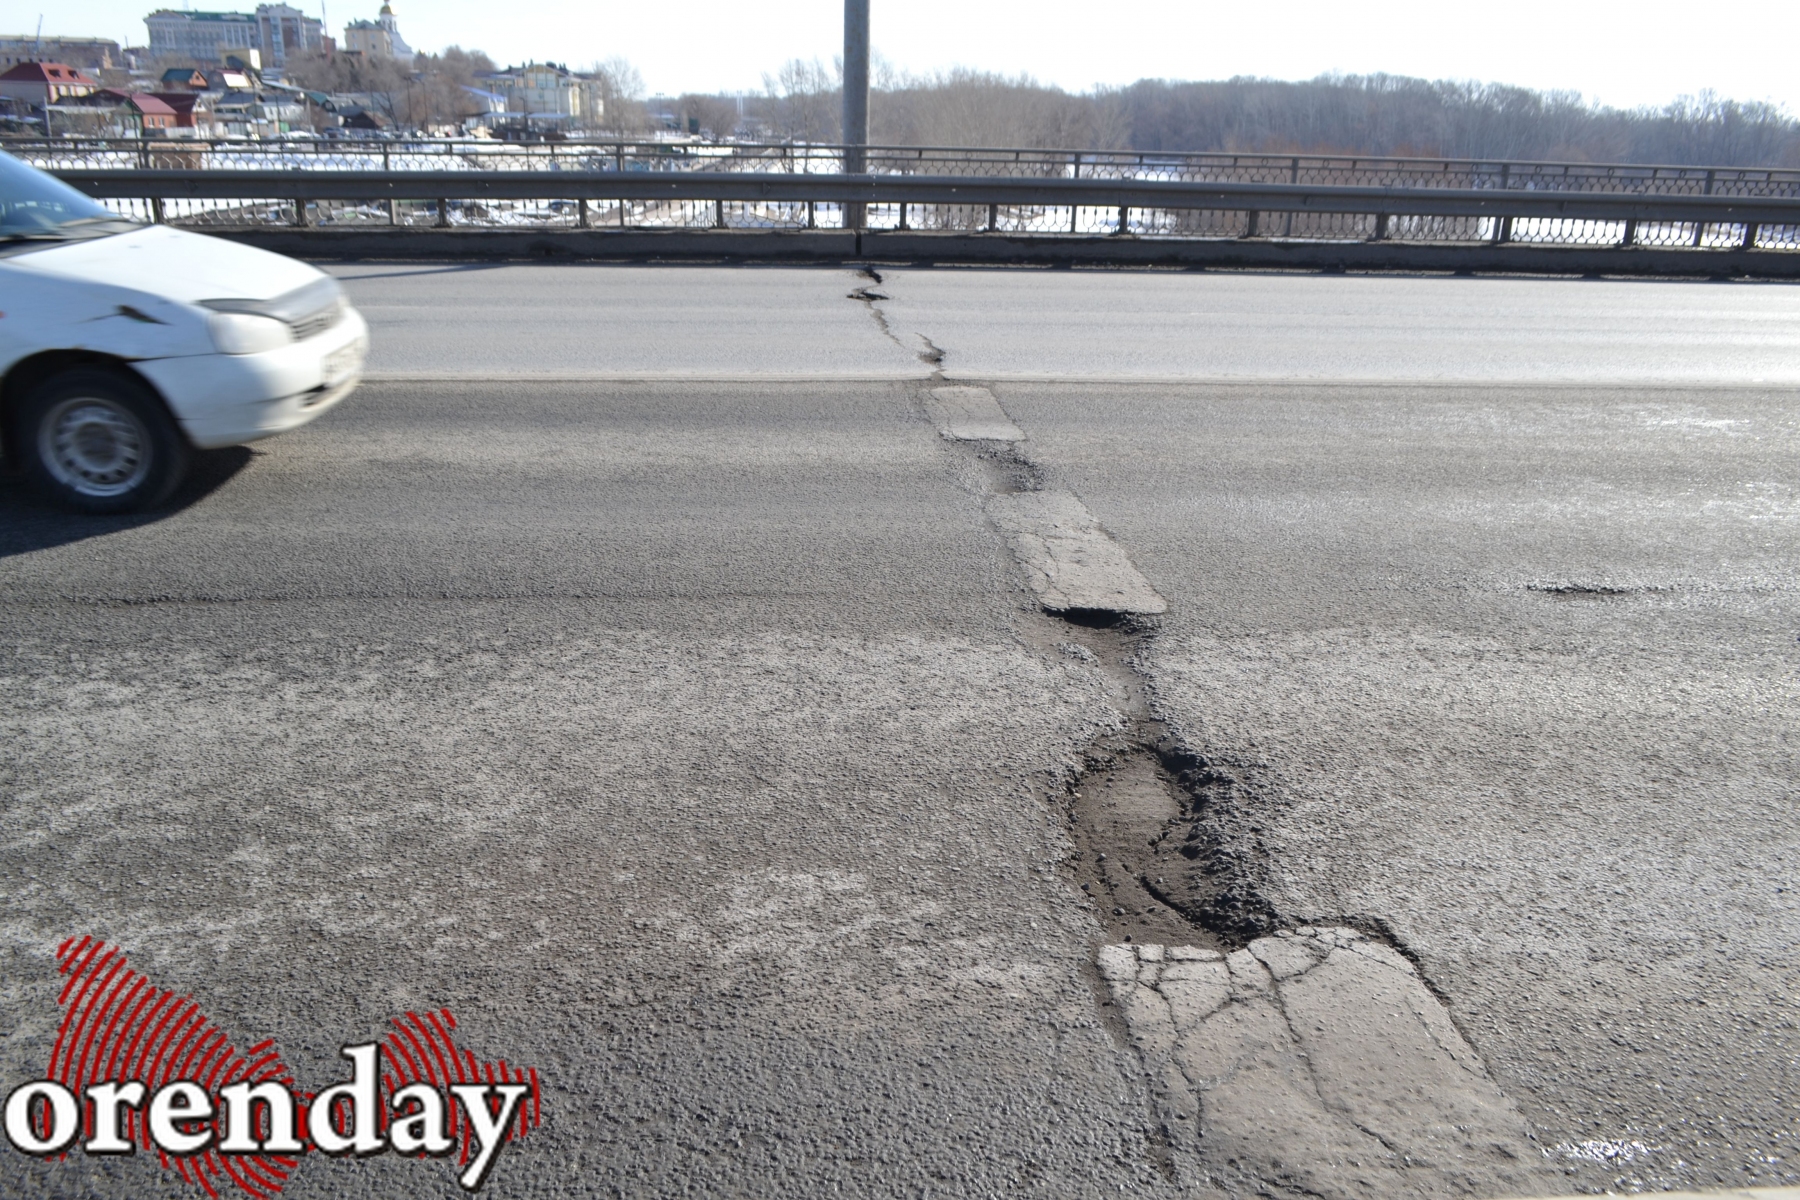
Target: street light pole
{"type": "Point", "coordinates": [856, 99]}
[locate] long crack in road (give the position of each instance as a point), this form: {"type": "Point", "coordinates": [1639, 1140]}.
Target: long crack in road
{"type": "Point", "coordinates": [943, 776]}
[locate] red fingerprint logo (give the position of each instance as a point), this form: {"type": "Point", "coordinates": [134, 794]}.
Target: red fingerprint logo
{"type": "Point", "coordinates": [117, 1027]}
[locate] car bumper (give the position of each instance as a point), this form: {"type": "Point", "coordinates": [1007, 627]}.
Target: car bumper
{"type": "Point", "coordinates": [227, 399]}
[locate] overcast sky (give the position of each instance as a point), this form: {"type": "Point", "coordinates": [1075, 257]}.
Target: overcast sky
{"type": "Point", "coordinates": [1620, 53]}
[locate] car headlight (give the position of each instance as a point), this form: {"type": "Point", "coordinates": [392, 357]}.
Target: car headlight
{"type": "Point", "coordinates": [247, 333]}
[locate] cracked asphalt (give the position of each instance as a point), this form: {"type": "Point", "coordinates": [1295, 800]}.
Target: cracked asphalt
{"type": "Point", "coordinates": [630, 666]}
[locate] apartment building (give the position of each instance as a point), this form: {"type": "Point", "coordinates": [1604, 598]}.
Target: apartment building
{"type": "Point", "coordinates": [273, 31]}
{"type": "Point", "coordinates": [202, 36]}
{"type": "Point", "coordinates": [90, 54]}
{"type": "Point", "coordinates": [285, 31]}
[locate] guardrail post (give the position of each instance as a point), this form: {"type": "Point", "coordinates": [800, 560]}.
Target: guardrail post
{"type": "Point", "coordinates": [156, 210]}
{"type": "Point", "coordinates": [902, 214]}
{"type": "Point", "coordinates": [1751, 229]}
{"type": "Point", "coordinates": [812, 216]}
{"type": "Point", "coordinates": [1630, 238]}
{"type": "Point", "coordinates": [1124, 219]}
{"type": "Point", "coordinates": [300, 213]}
{"type": "Point", "coordinates": [581, 212]}
{"type": "Point", "coordinates": [443, 214]}
{"type": "Point", "coordinates": [718, 214]}
{"type": "Point", "coordinates": [993, 217]}
{"type": "Point", "coordinates": [1287, 225]}
{"type": "Point", "coordinates": [1250, 224]}
{"type": "Point", "coordinates": [390, 212]}
{"type": "Point", "coordinates": [1381, 228]}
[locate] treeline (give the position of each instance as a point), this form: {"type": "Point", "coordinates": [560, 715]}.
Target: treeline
{"type": "Point", "coordinates": [1386, 114]}
{"type": "Point", "coordinates": [1363, 115]}
{"type": "Point", "coordinates": [432, 92]}
{"type": "Point", "coordinates": [1334, 114]}
{"type": "Point", "coordinates": [435, 90]}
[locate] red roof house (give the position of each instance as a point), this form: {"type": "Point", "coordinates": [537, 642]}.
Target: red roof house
{"type": "Point", "coordinates": [43, 83]}
{"type": "Point", "coordinates": [188, 108]}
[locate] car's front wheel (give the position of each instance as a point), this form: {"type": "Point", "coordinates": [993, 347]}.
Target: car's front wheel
{"type": "Point", "coordinates": [99, 441]}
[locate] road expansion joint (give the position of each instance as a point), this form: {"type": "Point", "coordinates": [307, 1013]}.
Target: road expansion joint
{"type": "Point", "coordinates": [1308, 1061]}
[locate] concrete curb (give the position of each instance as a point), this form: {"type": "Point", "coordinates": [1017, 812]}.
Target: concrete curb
{"type": "Point", "coordinates": [979, 249]}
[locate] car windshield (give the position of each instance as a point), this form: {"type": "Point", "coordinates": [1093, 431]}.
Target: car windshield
{"type": "Point", "coordinates": [36, 205]}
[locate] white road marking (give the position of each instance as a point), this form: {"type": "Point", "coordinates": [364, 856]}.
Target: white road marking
{"type": "Point", "coordinates": [1072, 563]}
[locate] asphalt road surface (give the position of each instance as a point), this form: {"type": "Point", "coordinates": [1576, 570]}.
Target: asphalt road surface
{"type": "Point", "coordinates": [679, 719]}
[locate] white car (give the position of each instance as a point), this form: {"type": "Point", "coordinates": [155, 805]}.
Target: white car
{"type": "Point", "coordinates": [124, 347]}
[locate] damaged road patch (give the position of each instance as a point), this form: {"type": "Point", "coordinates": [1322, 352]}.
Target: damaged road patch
{"type": "Point", "coordinates": [970, 414]}
{"type": "Point", "coordinates": [1070, 561]}
{"type": "Point", "coordinates": [1316, 1063]}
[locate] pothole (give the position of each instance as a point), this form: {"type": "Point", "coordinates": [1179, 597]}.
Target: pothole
{"type": "Point", "coordinates": [1577, 590]}
{"type": "Point", "coordinates": [1156, 850]}
{"type": "Point", "coordinates": [1143, 811]}
{"type": "Point", "coordinates": [1311, 1061]}
{"type": "Point", "coordinates": [1008, 472]}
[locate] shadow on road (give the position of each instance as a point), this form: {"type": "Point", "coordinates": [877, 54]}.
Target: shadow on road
{"type": "Point", "coordinates": [28, 522]}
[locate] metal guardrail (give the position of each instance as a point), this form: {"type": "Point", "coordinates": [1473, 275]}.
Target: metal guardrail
{"type": "Point", "coordinates": [928, 189]}
{"type": "Point", "coordinates": [765, 200]}
{"type": "Point", "coordinates": [627, 155]}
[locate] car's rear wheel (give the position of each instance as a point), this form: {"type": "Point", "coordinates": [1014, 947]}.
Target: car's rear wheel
{"type": "Point", "coordinates": [99, 441]}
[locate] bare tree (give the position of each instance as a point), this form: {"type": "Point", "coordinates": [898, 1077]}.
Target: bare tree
{"type": "Point", "coordinates": [716, 117]}
{"type": "Point", "coordinates": [801, 102]}
{"type": "Point", "coordinates": [622, 95]}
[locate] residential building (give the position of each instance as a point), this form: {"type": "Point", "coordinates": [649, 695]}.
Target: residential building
{"type": "Point", "coordinates": [190, 79]}
{"type": "Point", "coordinates": [379, 38]}
{"type": "Point", "coordinates": [364, 121]}
{"type": "Point", "coordinates": [191, 109]}
{"type": "Point", "coordinates": [202, 36]}
{"type": "Point", "coordinates": [90, 54]}
{"type": "Point", "coordinates": [549, 93]}
{"type": "Point", "coordinates": [153, 113]}
{"type": "Point", "coordinates": [42, 83]}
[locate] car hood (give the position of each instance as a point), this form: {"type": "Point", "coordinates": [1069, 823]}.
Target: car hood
{"type": "Point", "coordinates": [172, 264]}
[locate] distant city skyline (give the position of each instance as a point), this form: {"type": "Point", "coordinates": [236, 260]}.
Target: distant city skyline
{"type": "Point", "coordinates": [1617, 53]}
